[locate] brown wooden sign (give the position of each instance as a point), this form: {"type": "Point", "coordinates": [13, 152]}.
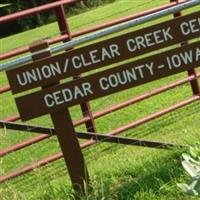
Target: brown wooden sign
{"type": "Point", "coordinates": [107, 82]}
{"type": "Point", "coordinates": [50, 70]}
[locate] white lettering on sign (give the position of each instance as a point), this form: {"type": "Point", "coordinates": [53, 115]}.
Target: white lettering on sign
{"type": "Point", "coordinates": [110, 52]}
{"type": "Point", "coordinates": [192, 26]}
{"type": "Point", "coordinates": [78, 61]}
{"type": "Point", "coordinates": [45, 72]}
{"type": "Point", "coordinates": [92, 57]}
{"type": "Point", "coordinates": [66, 95]}
{"type": "Point", "coordinates": [186, 58]}
{"type": "Point", "coordinates": [149, 39]}
{"type": "Point", "coordinates": [126, 76]}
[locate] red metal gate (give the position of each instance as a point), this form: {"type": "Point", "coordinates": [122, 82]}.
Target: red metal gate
{"type": "Point", "coordinates": [88, 116]}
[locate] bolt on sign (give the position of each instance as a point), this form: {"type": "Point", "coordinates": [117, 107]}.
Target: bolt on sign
{"type": "Point", "coordinates": [55, 98]}
{"type": "Point", "coordinates": [77, 61]}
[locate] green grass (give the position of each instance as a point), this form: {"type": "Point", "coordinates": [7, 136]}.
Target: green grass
{"type": "Point", "coordinates": [4, 5]}
{"type": "Point", "coordinates": [118, 172]}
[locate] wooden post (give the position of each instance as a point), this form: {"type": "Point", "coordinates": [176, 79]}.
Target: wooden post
{"type": "Point", "coordinates": [66, 135]}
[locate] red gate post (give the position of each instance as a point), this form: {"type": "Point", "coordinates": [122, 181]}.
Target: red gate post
{"type": "Point", "coordinates": [194, 83]}
{"type": "Point", "coordinates": [64, 29]}
{"type": "Point", "coordinates": [66, 134]}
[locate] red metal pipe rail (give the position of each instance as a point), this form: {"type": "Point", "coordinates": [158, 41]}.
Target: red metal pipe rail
{"type": "Point", "coordinates": [117, 131]}
{"type": "Point", "coordinates": [12, 118]}
{"type": "Point", "coordinates": [88, 30]}
{"type": "Point", "coordinates": [124, 19]}
{"type": "Point", "coordinates": [30, 11]}
{"type": "Point", "coordinates": [25, 49]}
{"type": "Point", "coordinates": [23, 144]}
{"type": "Point", "coordinates": [104, 112]}
{"type": "Point", "coordinates": [155, 115]}
{"type": "Point", "coordinates": [4, 89]}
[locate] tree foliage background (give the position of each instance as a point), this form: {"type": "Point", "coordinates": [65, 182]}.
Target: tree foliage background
{"type": "Point", "coordinates": [25, 23]}
{"type": "Point", "coordinates": [10, 6]}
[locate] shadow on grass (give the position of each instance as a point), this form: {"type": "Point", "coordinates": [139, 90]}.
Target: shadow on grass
{"type": "Point", "coordinates": [154, 180]}
{"type": "Point", "coordinates": [157, 180]}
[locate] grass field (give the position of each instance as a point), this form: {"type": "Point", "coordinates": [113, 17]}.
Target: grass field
{"type": "Point", "coordinates": [117, 172]}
